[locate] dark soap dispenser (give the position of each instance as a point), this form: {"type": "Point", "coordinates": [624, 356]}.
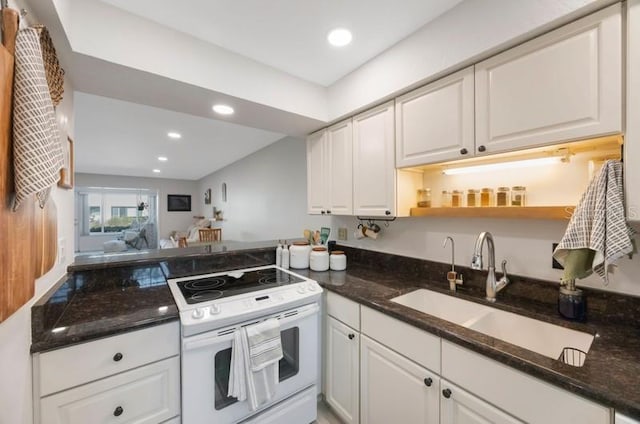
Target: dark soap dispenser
{"type": "Point", "coordinates": [572, 304]}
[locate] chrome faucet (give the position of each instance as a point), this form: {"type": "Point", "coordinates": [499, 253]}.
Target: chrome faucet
{"type": "Point", "coordinates": [493, 287]}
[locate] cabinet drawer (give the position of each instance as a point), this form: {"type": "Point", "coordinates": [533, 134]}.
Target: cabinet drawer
{"type": "Point", "coordinates": [344, 310]}
{"type": "Point", "coordinates": [415, 344]}
{"type": "Point", "coordinates": [146, 395]}
{"type": "Point", "coordinates": [75, 365]}
{"type": "Point", "coordinates": [517, 393]}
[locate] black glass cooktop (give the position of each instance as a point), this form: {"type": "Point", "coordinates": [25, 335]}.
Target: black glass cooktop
{"type": "Point", "coordinates": [211, 288]}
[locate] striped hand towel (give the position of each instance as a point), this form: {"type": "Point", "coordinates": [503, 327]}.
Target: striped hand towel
{"type": "Point", "coordinates": [598, 234]}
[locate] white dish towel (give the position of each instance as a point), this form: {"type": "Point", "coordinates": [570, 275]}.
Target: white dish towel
{"type": "Point", "coordinates": [598, 234]}
{"type": "Point", "coordinates": [255, 354]}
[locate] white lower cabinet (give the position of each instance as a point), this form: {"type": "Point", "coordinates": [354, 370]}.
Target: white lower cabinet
{"type": "Point", "coordinates": [460, 407]}
{"type": "Point", "coordinates": [395, 389]}
{"type": "Point", "coordinates": [341, 375]}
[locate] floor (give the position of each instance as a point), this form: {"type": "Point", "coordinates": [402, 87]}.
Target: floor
{"type": "Point", "coordinates": [325, 416]}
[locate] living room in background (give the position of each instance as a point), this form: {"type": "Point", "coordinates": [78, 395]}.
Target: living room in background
{"type": "Point", "coordinates": [108, 214]}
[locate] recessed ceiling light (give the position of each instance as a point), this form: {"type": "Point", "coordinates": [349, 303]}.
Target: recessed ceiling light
{"type": "Point", "coordinates": [157, 171]}
{"type": "Point", "coordinates": [339, 37]}
{"type": "Point", "coordinates": [162, 158]}
{"type": "Point", "coordinates": [174, 135]}
{"type": "Point", "coordinates": [223, 109]}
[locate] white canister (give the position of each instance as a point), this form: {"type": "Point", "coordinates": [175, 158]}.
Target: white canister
{"type": "Point", "coordinates": [319, 259]}
{"type": "Point", "coordinates": [299, 255]}
{"type": "Point", "coordinates": [338, 261]}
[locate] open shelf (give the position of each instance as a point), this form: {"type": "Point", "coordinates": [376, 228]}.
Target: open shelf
{"type": "Point", "coordinates": [526, 212]}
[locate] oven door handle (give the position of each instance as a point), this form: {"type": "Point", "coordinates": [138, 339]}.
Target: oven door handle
{"type": "Point", "coordinates": [210, 340]}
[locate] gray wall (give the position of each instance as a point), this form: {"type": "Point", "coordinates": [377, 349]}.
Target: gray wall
{"type": "Point", "coordinates": [266, 194]}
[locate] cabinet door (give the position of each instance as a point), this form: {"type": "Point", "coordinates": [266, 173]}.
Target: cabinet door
{"type": "Point", "coordinates": [564, 85]}
{"type": "Point", "coordinates": [374, 173]}
{"type": "Point", "coordinates": [460, 407]}
{"type": "Point", "coordinates": [316, 158]}
{"type": "Point", "coordinates": [395, 389]}
{"type": "Point", "coordinates": [340, 169]}
{"type": "Point", "coordinates": [435, 123]}
{"type": "Point", "coordinates": [632, 136]}
{"type": "Point", "coordinates": [342, 369]}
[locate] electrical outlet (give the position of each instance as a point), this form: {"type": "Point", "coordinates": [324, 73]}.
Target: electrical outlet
{"type": "Point", "coordinates": [342, 233]}
{"type": "Point", "coordinates": [555, 264]}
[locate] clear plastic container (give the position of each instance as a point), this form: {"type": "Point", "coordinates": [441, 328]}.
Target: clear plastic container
{"type": "Point", "coordinates": [473, 198]}
{"type": "Point", "coordinates": [424, 198]}
{"type": "Point", "coordinates": [518, 196]}
{"type": "Point", "coordinates": [502, 196]}
{"type": "Point", "coordinates": [486, 197]}
{"type": "Point", "coordinates": [456, 198]}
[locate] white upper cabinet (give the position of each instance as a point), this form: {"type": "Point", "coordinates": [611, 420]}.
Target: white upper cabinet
{"type": "Point", "coordinates": [340, 169]}
{"type": "Point", "coordinates": [564, 85]}
{"type": "Point", "coordinates": [316, 186]}
{"type": "Point", "coordinates": [632, 134]}
{"type": "Point", "coordinates": [435, 123]}
{"type": "Point", "coordinates": [374, 174]}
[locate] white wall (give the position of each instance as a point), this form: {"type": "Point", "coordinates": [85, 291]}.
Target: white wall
{"type": "Point", "coordinates": [525, 244]}
{"type": "Point", "coordinates": [471, 31]}
{"type": "Point", "coordinates": [168, 221]}
{"type": "Point", "coordinates": [15, 332]}
{"type": "Point", "coordinates": [266, 194]}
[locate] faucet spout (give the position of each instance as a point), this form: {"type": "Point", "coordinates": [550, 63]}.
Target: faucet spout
{"type": "Point", "coordinates": [493, 286]}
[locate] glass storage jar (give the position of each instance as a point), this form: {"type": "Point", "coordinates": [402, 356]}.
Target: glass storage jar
{"type": "Point", "coordinates": [456, 198]}
{"type": "Point", "coordinates": [486, 197]}
{"type": "Point", "coordinates": [445, 199]}
{"type": "Point", "coordinates": [473, 198]}
{"type": "Point", "coordinates": [502, 196]}
{"type": "Point", "coordinates": [424, 198]}
{"type": "Point", "coordinates": [518, 195]}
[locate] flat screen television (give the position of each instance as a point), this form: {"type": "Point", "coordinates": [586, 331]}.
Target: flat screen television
{"type": "Point", "coordinates": [179, 202]}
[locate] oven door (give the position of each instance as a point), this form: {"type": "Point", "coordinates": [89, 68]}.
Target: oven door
{"type": "Point", "coordinates": [206, 361]}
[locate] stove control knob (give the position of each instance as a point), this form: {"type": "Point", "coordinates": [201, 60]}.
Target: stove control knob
{"type": "Point", "coordinates": [302, 290]}
{"type": "Point", "coordinates": [198, 313]}
{"type": "Point", "coordinates": [214, 309]}
{"type": "Point", "coordinates": [312, 287]}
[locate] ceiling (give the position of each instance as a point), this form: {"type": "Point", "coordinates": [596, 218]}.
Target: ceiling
{"type": "Point", "coordinates": [290, 35]}
{"type": "Point", "coordinates": [123, 138]}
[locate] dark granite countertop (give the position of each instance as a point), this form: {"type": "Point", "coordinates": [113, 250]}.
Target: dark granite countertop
{"type": "Point", "coordinates": [609, 375]}
{"type": "Point", "coordinates": [92, 304]}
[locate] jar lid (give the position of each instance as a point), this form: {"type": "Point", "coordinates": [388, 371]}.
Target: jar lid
{"type": "Point", "coordinates": [337, 252]}
{"type": "Point", "coordinates": [301, 243]}
{"type": "Point", "coordinates": [445, 192]}
{"type": "Point", "coordinates": [319, 249]}
{"type": "Point", "coordinates": [503, 188]}
{"type": "Point", "coordinates": [456, 192]}
{"type": "Point", "coordinates": [519, 188]}
{"type": "Point", "coordinates": [471, 190]}
{"type": "Point", "coordinates": [487, 190]}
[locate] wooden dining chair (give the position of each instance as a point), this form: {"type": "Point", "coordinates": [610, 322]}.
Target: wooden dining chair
{"type": "Point", "coordinates": [182, 242]}
{"type": "Point", "coordinates": [210, 234]}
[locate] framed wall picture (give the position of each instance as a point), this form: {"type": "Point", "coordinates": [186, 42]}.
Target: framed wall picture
{"type": "Point", "coordinates": [66, 173]}
{"type": "Point", "coordinates": [207, 197]}
{"type": "Point", "coordinates": [179, 202]}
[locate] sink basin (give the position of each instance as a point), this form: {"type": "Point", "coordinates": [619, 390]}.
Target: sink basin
{"type": "Point", "coordinates": [546, 339]}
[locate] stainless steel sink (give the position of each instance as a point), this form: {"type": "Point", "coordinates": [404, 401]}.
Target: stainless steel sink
{"type": "Point", "coordinates": [546, 339]}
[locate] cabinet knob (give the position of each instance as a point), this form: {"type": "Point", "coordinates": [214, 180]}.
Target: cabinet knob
{"type": "Point", "coordinates": [328, 211]}
{"type": "Point", "coordinates": [428, 381]}
{"type": "Point", "coordinates": [481, 148]}
{"type": "Point", "coordinates": [117, 357]}
{"type": "Point", "coordinates": [446, 393]}
{"type": "Point", "coordinates": [387, 212]}
{"type": "Point", "coordinates": [118, 411]}
{"type": "Point", "coordinates": [322, 212]}
{"type": "Point", "coordinates": [351, 336]}
{"type": "Point", "coordinates": [463, 151]}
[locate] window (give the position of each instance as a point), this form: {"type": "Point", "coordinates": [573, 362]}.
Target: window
{"type": "Point", "coordinates": [113, 211]}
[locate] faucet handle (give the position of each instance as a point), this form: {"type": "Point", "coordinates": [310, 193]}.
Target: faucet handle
{"type": "Point", "coordinates": [476, 262]}
{"type": "Point", "coordinates": [504, 270]}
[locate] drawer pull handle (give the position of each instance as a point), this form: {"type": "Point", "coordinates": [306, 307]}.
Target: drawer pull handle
{"type": "Point", "coordinates": [446, 393]}
{"type": "Point", "coordinates": [118, 411]}
{"type": "Point", "coordinates": [351, 336]}
{"type": "Point", "coordinates": [117, 357]}
{"type": "Point", "coordinates": [428, 381]}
